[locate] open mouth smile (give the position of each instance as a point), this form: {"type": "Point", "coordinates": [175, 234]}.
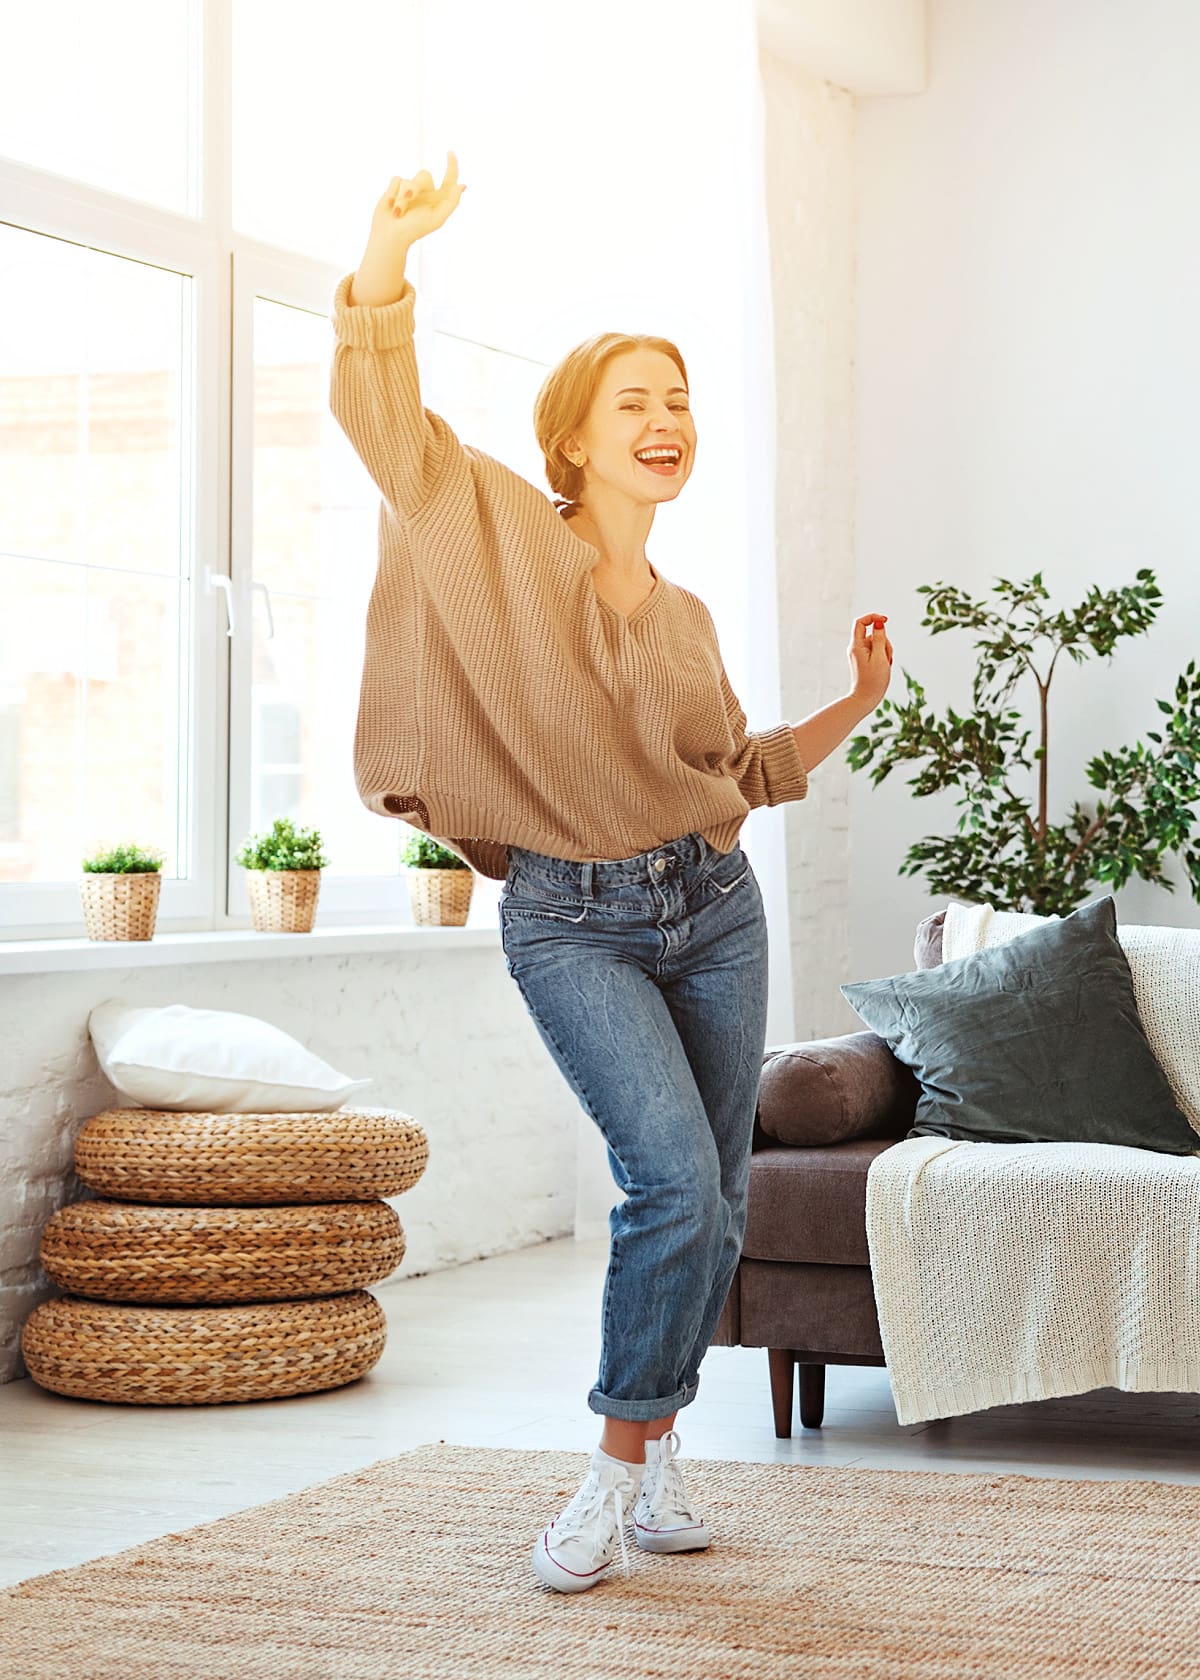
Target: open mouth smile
{"type": "Point", "coordinates": [663, 461]}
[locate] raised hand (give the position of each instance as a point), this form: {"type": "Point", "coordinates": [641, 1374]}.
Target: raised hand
{"type": "Point", "coordinates": [410, 209]}
{"type": "Point", "coordinates": [870, 659]}
{"type": "Point", "coordinates": [406, 212]}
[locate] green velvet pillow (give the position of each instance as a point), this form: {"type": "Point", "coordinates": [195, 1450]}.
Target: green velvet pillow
{"type": "Point", "coordinates": [1037, 1040]}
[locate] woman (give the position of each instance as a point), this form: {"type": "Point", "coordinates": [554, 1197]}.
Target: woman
{"type": "Point", "coordinates": [539, 696]}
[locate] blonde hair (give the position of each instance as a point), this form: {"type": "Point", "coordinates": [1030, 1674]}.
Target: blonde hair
{"type": "Point", "coordinates": [565, 401]}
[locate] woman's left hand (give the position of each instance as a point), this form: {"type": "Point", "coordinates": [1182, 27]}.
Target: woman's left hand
{"type": "Point", "coordinates": [870, 659]}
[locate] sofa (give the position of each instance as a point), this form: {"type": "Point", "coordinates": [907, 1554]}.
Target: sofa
{"type": "Point", "coordinates": [803, 1285]}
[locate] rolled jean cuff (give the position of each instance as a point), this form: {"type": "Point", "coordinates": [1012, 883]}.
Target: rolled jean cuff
{"type": "Point", "coordinates": [643, 1411]}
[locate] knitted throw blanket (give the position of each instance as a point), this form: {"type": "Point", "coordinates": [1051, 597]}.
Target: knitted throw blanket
{"type": "Point", "coordinates": [1006, 1272]}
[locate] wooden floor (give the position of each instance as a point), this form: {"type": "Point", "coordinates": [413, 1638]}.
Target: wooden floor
{"type": "Point", "coordinates": [502, 1351]}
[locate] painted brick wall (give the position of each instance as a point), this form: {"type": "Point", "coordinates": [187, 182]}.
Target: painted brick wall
{"type": "Point", "coordinates": [811, 207]}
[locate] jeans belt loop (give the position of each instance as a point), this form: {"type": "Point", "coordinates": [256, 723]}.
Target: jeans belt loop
{"type": "Point", "coordinates": [586, 878]}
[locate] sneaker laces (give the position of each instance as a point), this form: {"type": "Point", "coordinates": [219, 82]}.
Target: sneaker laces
{"type": "Point", "coordinates": [586, 1510]}
{"type": "Point", "coordinates": [662, 1486]}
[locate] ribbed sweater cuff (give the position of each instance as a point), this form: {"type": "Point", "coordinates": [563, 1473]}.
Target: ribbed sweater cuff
{"type": "Point", "coordinates": [782, 767]}
{"type": "Point", "coordinates": [383, 326]}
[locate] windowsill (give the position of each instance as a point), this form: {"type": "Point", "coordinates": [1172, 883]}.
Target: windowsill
{"type": "Point", "coordinates": [31, 956]}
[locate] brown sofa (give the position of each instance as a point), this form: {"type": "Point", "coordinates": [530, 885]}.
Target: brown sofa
{"type": "Point", "coordinates": [803, 1288]}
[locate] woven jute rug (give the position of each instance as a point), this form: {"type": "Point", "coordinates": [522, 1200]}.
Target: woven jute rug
{"type": "Point", "coordinates": [418, 1567]}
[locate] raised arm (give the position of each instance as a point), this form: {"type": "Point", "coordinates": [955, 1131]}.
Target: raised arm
{"type": "Point", "coordinates": [773, 765]}
{"type": "Point", "coordinates": [375, 392]}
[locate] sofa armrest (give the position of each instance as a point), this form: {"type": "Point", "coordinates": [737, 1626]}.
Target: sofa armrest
{"type": "Point", "coordinates": [828, 1090]}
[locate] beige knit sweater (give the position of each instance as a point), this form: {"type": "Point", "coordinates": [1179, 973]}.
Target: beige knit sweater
{"type": "Point", "coordinates": [503, 702]}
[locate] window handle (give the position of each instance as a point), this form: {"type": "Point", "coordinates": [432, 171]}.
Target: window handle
{"type": "Point", "coordinates": [270, 614]}
{"type": "Point", "coordinates": [218, 580]}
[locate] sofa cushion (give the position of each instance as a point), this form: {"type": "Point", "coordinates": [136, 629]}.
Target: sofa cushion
{"type": "Point", "coordinates": [1035, 1040]}
{"type": "Point", "coordinates": [1164, 963]}
{"type": "Point", "coordinates": [826, 1090]}
{"type": "Point", "coordinates": [811, 1205]}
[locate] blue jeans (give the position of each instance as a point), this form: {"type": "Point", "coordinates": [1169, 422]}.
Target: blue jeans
{"type": "Point", "coordinates": [646, 978]}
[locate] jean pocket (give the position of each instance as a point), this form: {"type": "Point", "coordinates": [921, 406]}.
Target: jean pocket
{"type": "Point", "coordinates": [726, 873]}
{"type": "Point", "coordinates": [525, 907]}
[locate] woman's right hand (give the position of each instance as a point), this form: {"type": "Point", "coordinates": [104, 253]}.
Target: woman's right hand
{"type": "Point", "coordinates": [410, 209]}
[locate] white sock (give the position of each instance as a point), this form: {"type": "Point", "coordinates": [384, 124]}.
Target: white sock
{"type": "Point", "coordinates": [635, 1470]}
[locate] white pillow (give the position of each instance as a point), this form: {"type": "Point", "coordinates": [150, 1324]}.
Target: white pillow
{"type": "Point", "coordinates": [213, 1060]}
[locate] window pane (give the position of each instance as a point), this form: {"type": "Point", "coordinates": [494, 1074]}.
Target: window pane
{"type": "Point", "coordinates": [106, 94]}
{"type": "Point", "coordinates": [315, 513]}
{"type": "Point", "coordinates": [93, 497]}
{"type": "Point", "coordinates": [91, 664]}
{"type": "Point", "coordinates": [326, 109]}
{"type": "Point", "coordinates": [487, 396]}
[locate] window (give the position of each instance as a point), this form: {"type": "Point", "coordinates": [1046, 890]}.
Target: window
{"type": "Point", "coordinates": [95, 644]}
{"type": "Point", "coordinates": [187, 542]}
{"type": "Point", "coordinates": [305, 518]}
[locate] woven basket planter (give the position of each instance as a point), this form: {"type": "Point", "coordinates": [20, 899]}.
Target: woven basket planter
{"type": "Point", "coordinates": [120, 904]}
{"type": "Point", "coordinates": [118, 1251]}
{"type": "Point", "coordinates": [196, 1356]}
{"type": "Point", "coordinates": [213, 1160]}
{"type": "Point", "coordinates": [440, 897]}
{"type": "Point", "coordinates": [283, 900]}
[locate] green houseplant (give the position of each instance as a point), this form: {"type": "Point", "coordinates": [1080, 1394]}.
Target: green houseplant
{"type": "Point", "coordinates": [1003, 853]}
{"type": "Point", "coordinates": [439, 882]}
{"type": "Point", "coordinates": [120, 888]}
{"type": "Point", "coordinates": [283, 876]}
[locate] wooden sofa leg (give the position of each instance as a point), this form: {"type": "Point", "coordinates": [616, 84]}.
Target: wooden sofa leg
{"type": "Point", "coordinates": [812, 1395]}
{"type": "Point", "coordinates": [782, 1365]}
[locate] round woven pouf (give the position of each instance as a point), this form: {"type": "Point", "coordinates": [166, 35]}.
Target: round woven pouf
{"type": "Point", "coordinates": [121, 1251]}
{"type": "Point", "coordinates": [212, 1160]}
{"type": "Point", "coordinates": [196, 1356]}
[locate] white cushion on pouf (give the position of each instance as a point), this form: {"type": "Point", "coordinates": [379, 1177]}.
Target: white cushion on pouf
{"type": "Point", "coordinates": [216, 1060]}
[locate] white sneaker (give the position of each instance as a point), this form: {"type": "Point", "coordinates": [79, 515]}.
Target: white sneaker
{"type": "Point", "coordinates": [575, 1550]}
{"type": "Point", "coordinates": [663, 1518]}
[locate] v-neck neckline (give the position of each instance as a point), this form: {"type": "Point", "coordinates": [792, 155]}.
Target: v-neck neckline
{"type": "Point", "coordinates": [643, 606]}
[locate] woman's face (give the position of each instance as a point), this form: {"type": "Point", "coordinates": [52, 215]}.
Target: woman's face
{"type": "Point", "coordinates": [641, 404]}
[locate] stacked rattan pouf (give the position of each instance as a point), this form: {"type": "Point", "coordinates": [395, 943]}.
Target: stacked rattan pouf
{"type": "Point", "coordinates": [226, 1256]}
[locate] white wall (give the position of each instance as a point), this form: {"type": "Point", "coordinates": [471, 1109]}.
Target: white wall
{"type": "Point", "coordinates": [444, 1036]}
{"type": "Point", "coordinates": [864, 46]}
{"type": "Point", "coordinates": [809, 158]}
{"type": "Point", "coordinates": [1027, 362]}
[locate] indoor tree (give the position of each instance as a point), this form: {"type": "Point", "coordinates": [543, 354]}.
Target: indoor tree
{"type": "Point", "coordinates": [1004, 853]}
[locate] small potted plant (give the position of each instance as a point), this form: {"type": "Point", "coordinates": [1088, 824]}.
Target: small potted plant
{"type": "Point", "coordinates": [439, 883]}
{"type": "Point", "coordinates": [283, 876]}
{"type": "Point", "coordinates": [120, 886]}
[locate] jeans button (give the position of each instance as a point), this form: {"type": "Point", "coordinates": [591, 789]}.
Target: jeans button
{"type": "Point", "coordinates": [661, 863]}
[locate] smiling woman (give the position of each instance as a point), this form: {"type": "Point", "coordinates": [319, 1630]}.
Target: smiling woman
{"type": "Point", "coordinates": [548, 704]}
{"type": "Point", "coordinates": [609, 445]}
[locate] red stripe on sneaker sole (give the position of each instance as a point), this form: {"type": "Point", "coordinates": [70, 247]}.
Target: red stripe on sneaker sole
{"type": "Point", "coordinates": [579, 1574]}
